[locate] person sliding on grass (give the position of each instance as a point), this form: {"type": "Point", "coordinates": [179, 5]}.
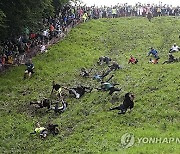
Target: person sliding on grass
{"type": "Point", "coordinates": [30, 69]}
{"type": "Point", "coordinates": [57, 88]}
{"type": "Point", "coordinates": [79, 91]}
{"type": "Point", "coordinates": [127, 104]}
{"type": "Point", "coordinates": [106, 86]}
{"type": "Point", "coordinates": [171, 59]}
{"type": "Point", "coordinates": [41, 131]}
{"type": "Point", "coordinates": [52, 129]}
{"type": "Point", "coordinates": [99, 77]}
{"type": "Point", "coordinates": [132, 60]}
{"type": "Point", "coordinates": [43, 103]}
{"type": "Point", "coordinates": [85, 73]}
{"type": "Point", "coordinates": [115, 66]}
{"type": "Point", "coordinates": [103, 59]}
{"type": "Point", "coordinates": [174, 48]}
{"type": "Point", "coordinates": [60, 109]}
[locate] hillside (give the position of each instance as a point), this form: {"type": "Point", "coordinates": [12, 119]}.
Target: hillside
{"type": "Point", "coordinates": [87, 126]}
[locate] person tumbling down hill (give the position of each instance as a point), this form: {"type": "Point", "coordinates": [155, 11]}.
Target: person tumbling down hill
{"type": "Point", "coordinates": [106, 86]}
{"type": "Point", "coordinates": [30, 69]}
{"type": "Point", "coordinates": [59, 109]}
{"type": "Point", "coordinates": [41, 131]}
{"type": "Point", "coordinates": [174, 48]}
{"type": "Point", "coordinates": [79, 91]}
{"type": "Point", "coordinates": [128, 103]}
{"type": "Point", "coordinates": [85, 73]}
{"type": "Point", "coordinates": [171, 59]}
{"type": "Point", "coordinates": [103, 59]}
{"type": "Point", "coordinates": [114, 66]}
{"type": "Point", "coordinates": [132, 60]}
{"type": "Point", "coordinates": [44, 103]}
{"type": "Point", "coordinates": [57, 88]}
{"type": "Point", "coordinates": [100, 77]}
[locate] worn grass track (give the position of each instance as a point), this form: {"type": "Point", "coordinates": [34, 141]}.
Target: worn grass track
{"type": "Point", "coordinates": [87, 126]}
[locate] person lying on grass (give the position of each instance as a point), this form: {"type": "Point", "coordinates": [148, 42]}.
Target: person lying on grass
{"type": "Point", "coordinates": [171, 59]}
{"type": "Point", "coordinates": [44, 103]}
{"type": "Point", "coordinates": [153, 52]}
{"type": "Point", "coordinates": [59, 109]}
{"type": "Point", "coordinates": [106, 86]}
{"type": "Point", "coordinates": [132, 60]}
{"type": "Point", "coordinates": [30, 69]}
{"type": "Point", "coordinates": [128, 103]}
{"type": "Point", "coordinates": [79, 91]}
{"type": "Point", "coordinates": [114, 66]}
{"type": "Point", "coordinates": [100, 77]}
{"type": "Point", "coordinates": [103, 59]}
{"type": "Point", "coordinates": [85, 73]}
{"type": "Point", "coordinates": [41, 131]}
{"type": "Point", "coordinates": [174, 48]}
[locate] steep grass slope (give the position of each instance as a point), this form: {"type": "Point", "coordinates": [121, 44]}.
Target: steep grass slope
{"type": "Point", "coordinates": [87, 126]}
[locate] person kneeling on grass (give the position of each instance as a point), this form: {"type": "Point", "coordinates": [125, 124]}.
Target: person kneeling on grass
{"type": "Point", "coordinates": [41, 131]}
{"type": "Point", "coordinates": [43, 103]}
{"type": "Point", "coordinates": [128, 103]}
{"type": "Point", "coordinates": [30, 69]}
{"type": "Point", "coordinates": [106, 86]}
{"type": "Point", "coordinates": [60, 109]}
{"type": "Point", "coordinates": [79, 91]}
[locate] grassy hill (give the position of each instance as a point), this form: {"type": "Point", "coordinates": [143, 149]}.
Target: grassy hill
{"type": "Point", "coordinates": [87, 126]}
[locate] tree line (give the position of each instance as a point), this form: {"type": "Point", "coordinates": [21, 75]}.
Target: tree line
{"type": "Point", "coordinates": [16, 16]}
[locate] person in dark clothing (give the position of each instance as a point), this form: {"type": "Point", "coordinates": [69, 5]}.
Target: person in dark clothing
{"type": "Point", "coordinates": [106, 86]}
{"type": "Point", "coordinates": [171, 59]}
{"type": "Point", "coordinates": [128, 103]}
{"type": "Point", "coordinates": [57, 88]}
{"type": "Point", "coordinates": [45, 103]}
{"type": "Point", "coordinates": [104, 59]}
{"type": "Point", "coordinates": [153, 52]}
{"type": "Point", "coordinates": [30, 69]}
{"type": "Point", "coordinates": [52, 129]}
{"type": "Point", "coordinates": [85, 73]}
{"type": "Point", "coordinates": [58, 109]}
{"type": "Point", "coordinates": [79, 91]}
{"type": "Point", "coordinates": [115, 66]}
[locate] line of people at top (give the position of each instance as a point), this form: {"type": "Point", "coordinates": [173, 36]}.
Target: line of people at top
{"type": "Point", "coordinates": [16, 49]}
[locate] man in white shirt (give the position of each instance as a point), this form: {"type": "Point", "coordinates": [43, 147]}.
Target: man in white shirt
{"type": "Point", "coordinates": [174, 48]}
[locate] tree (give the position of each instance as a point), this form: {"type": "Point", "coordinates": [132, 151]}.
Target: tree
{"type": "Point", "coordinates": [24, 13]}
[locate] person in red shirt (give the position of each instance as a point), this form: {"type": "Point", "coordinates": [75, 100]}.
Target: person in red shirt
{"type": "Point", "coordinates": [133, 60]}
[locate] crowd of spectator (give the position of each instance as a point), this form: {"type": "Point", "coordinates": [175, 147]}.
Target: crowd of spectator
{"type": "Point", "coordinates": [16, 50]}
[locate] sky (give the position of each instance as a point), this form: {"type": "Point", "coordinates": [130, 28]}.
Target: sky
{"type": "Point", "coordinates": [114, 2]}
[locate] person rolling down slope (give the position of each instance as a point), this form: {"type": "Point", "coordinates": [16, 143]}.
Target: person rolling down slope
{"type": "Point", "coordinates": [106, 86]}
{"type": "Point", "coordinates": [60, 109]}
{"type": "Point", "coordinates": [79, 91]}
{"type": "Point", "coordinates": [128, 103]}
{"type": "Point", "coordinates": [43, 103]}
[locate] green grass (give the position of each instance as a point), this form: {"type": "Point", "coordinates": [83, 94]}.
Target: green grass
{"type": "Point", "coordinates": [87, 126]}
